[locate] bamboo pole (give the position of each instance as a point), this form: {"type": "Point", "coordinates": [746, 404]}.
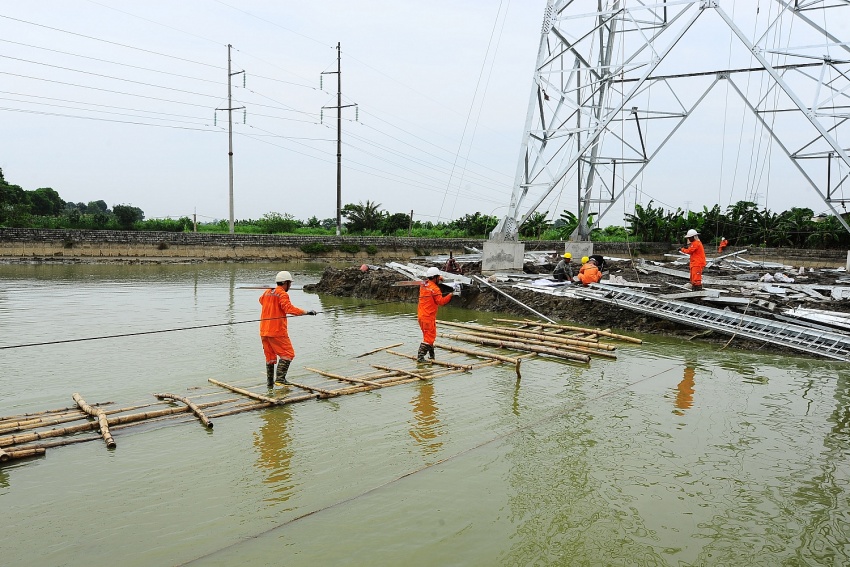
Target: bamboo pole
{"type": "Point", "coordinates": [478, 353]}
{"type": "Point", "coordinates": [465, 367]}
{"type": "Point", "coordinates": [21, 453]}
{"type": "Point", "coordinates": [325, 393]}
{"type": "Point", "coordinates": [75, 414]}
{"type": "Point", "coordinates": [515, 361]}
{"type": "Point", "coordinates": [120, 422]}
{"type": "Point", "coordinates": [250, 394]}
{"type": "Point", "coordinates": [378, 350]}
{"type": "Point", "coordinates": [23, 416]}
{"type": "Point", "coordinates": [580, 329]}
{"type": "Point", "coordinates": [195, 409]}
{"type": "Point", "coordinates": [400, 371]}
{"type": "Point", "coordinates": [517, 301]}
{"type": "Point", "coordinates": [343, 378]}
{"type": "Point", "coordinates": [529, 335]}
{"type": "Point", "coordinates": [545, 343]}
{"type": "Point", "coordinates": [520, 346]}
{"type": "Point", "coordinates": [101, 419]}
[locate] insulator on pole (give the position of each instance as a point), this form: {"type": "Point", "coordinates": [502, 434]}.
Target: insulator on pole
{"type": "Point", "coordinates": [321, 81]}
{"type": "Point", "coordinates": [244, 116]}
{"type": "Point", "coordinates": [357, 114]}
{"type": "Point", "coordinates": [244, 75]}
{"type": "Point", "coordinates": [215, 118]}
{"type": "Point", "coordinates": [322, 116]}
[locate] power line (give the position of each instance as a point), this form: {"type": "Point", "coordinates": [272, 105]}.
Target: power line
{"type": "Point", "coordinates": [101, 89]}
{"type": "Point", "coordinates": [109, 61]}
{"type": "Point", "coordinates": [108, 76]}
{"type": "Point", "coordinates": [111, 42]}
{"type": "Point", "coordinates": [104, 119]}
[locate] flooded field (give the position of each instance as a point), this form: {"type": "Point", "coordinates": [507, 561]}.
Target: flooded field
{"type": "Point", "coordinates": [677, 453]}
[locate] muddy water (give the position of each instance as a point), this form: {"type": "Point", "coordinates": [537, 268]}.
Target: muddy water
{"type": "Point", "coordinates": [675, 454]}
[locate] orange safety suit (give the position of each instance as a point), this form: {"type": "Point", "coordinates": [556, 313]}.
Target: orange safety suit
{"type": "Point", "coordinates": [430, 298]}
{"type": "Point", "coordinates": [723, 244]}
{"type": "Point", "coordinates": [589, 273]}
{"type": "Point", "coordinates": [697, 263]}
{"type": "Point", "coordinates": [273, 324]}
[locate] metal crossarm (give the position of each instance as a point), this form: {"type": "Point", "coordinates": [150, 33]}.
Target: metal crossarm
{"type": "Point", "coordinates": [814, 341]}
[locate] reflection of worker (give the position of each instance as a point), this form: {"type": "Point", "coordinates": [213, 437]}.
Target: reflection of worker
{"type": "Point", "coordinates": [426, 427]}
{"type": "Point", "coordinates": [697, 253]}
{"type": "Point", "coordinates": [273, 328]}
{"type": "Point", "coordinates": [274, 445]}
{"type": "Point", "coordinates": [685, 394]}
{"type": "Point", "coordinates": [589, 272]}
{"type": "Point", "coordinates": [430, 298]}
{"type": "Point", "coordinates": [451, 265]}
{"type": "Point", "coordinates": [723, 244]}
{"type": "Point", "coordinates": [564, 270]}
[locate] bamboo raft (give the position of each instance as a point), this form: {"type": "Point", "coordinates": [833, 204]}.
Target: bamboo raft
{"type": "Point", "coordinates": [31, 434]}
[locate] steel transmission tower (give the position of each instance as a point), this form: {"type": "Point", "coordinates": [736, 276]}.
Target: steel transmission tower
{"type": "Point", "coordinates": [612, 87]}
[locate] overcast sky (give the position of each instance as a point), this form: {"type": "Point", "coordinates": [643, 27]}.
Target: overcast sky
{"type": "Point", "coordinates": [116, 100]}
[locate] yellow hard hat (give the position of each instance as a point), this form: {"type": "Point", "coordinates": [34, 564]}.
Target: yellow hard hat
{"type": "Point", "coordinates": [567, 255]}
{"type": "Point", "coordinates": [584, 259]}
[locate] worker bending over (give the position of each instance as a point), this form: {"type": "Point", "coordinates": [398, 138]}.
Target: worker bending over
{"type": "Point", "coordinates": [589, 272]}
{"type": "Point", "coordinates": [564, 270]}
{"type": "Point", "coordinates": [430, 299]}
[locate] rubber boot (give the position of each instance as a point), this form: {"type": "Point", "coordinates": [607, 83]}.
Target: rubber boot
{"type": "Point", "coordinates": [696, 288]}
{"type": "Point", "coordinates": [270, 374]}
{"type": "Point", "coordinates": [420, 356]}
{"type": "Point", "coordinates": [282, 369]}
{"type": "Point", "coordinates": [431, 354]}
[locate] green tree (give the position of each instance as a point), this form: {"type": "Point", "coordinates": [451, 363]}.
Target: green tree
{"type": "Point", "coordinates": [95, 206]}
{"type": "Point", "coordinates": [535, 225]}
{"type": "Point", "coordinates": [474, 225]}
{"type": "Point", "coordinates": [127, 215]}
{"type": "Point", "coordinates": [45, 202]}
{"type": "Point", "coordinates": [361, 218]}
{"type": "Point", "coordinates": [395, 222]}
{"type": "Point", "coordinates": [276, 223]}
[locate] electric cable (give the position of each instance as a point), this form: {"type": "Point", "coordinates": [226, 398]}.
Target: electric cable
{"type": "Point", "coordinates": [190, 328]}
{"type": "Point", "coordinates": [43, 113]}
{"type": "Point", "coordinates": [112, 42]}
{"type": "Point", "coordinates": [220, 83]}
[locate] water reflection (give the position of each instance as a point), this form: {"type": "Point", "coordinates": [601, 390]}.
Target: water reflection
{"type": "Point", "coordinates": [274, 447]}
{"type": "Point", "coordinates": [685, 390]}
{"type": "Point", "coordinates": [426, 427]}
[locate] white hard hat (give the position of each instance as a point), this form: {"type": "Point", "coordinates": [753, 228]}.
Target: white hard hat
{"type": "Point", "coordinates": [431, 272]}
{"type": "Point", "coordinates": [283, 276]}
{"type": "Point", "coordinates": [691, 233]}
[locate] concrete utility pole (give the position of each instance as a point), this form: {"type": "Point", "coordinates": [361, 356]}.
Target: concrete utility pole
{"type": "Point", "coordinates": [339, 106]}
{"type": "Point", "coordinates": [230, 110]}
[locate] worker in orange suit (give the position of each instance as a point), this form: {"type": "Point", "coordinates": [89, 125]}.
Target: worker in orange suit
{"type": "Point", "coordinates": [722, 246]}
{"type": "Point", "coordinates": [430, 298]}
{"type": "Point", "coordinates": [276, 308]}
{"type": "Point", "coordinates": [697, 253]}
{"type": "Point", "coordinates": [589, 272]}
